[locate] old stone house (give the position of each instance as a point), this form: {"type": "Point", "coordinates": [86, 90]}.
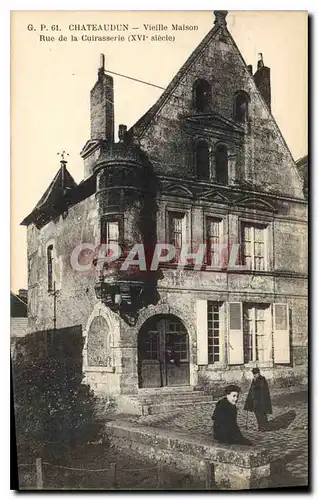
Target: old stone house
{"type": "Point", "coordinates": [207, 164]}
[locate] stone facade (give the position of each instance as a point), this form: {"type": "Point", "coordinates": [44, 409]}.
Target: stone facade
{"type": "Point", "coordinates": [234, 318]}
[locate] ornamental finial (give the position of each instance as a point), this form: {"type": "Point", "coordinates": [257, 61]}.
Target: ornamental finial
{"type": "Point", "coordinates": [220, 17]}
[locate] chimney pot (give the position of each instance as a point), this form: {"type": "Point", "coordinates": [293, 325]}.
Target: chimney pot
{"type": "Point", "coordinates": [250, 68]}
{"type": "Point", "coordinates": [263, 80]}
{"type": "Point", "coordinates": [102, 62]}
{"type": "Point", "coordinates": [102, 105]}
{"type": "Point", "coordinates": [122, 131]}
{"type": "Point", "coordinates": [260, 62]}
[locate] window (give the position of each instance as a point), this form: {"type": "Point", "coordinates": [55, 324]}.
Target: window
{"type": "Point", "coordinates": [256, 334]}
{"type": "Point", "coordinates": [213, 332]}
{"type": "Point", "coordinates": [213, 256]}
{"type": "Point", "coordinates": [202, 96]}
{"type": "Point", "coordinates": [50, 268]}
{"type": "Point", "coordinates": [151, 345]}
{"type": "Point", "coordinates": [111, 231]}
{"type": "Point", "coordinates": [253, 246]}
{"type": "Point", "coordinates": [221, 165]}
{"type": "Point", "coordinates": [177, 337]}
{"type": "Point", "coordinates": [176, 232]}
{"type": "Point", "coordinates": [202, 159]}
{"type": "Point", "coordinates": [241, 107]}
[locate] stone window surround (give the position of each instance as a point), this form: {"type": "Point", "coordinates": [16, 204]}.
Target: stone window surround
{"type": "Point", "coordinates": [268, 241]}
{"type": "Point", "coordinates": [99, 310]}
{"type": "Point", "coordinates": [57, 261]}
{"type": "Point", "coordinates": [223, 365]}
{"type": "Point", "coordinates": [115, 217]}
{"type": "Point", "coordinates": [221, 216]}
{"type": "Point", "coordinates": [213, 145]}
{"type": "Point", "coordinates": [181, 208]}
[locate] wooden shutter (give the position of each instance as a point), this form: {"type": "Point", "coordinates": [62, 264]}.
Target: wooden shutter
{"type": "Point", "coordinates": [202, 332]}
{"type": "Point", "coordinates": [281, 334]}
{"type": "Point", "coordinates": [235, 342]}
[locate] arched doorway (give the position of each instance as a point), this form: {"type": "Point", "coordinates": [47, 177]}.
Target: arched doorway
{"type": "Point", "coordinates": [163, 353]}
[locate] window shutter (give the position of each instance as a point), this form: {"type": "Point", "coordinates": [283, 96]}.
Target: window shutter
{"type": "Point", "coordinates": [281, 334]}
{"type": "Point", "coordinates": [235, 347]}
{"type": "Point", "coordinates": [202, 332]}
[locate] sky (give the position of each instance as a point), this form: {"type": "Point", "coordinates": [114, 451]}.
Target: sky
{"type": "Point", "coordinates": [51, 82]}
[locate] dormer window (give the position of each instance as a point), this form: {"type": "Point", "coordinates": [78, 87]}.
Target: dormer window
{"type": "Point", "coordinates": [221, 164]}
{"type": "Point", "coordinates": [202, 159]}
{"type": "Point", "coordinates": [202, 96]}
{"type": "Point", "coordinates": [241, 101]}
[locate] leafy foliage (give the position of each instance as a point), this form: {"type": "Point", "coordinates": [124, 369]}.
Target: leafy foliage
{"type": "Point", "coordinates": [52, 406]}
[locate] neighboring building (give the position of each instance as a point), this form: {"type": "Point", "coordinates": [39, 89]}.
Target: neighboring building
{"type": "Point", "coordinates": [19, 313]}
{"type": "Point", "coordinates": [206, 164]}
{"type": "Point", "coordinates": [302, 165]}
{"type": "Point", "coordinates": [19, 317]}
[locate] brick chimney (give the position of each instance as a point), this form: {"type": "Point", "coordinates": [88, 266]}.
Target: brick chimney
{"type": "Point", "coordinates": [102, 105]}
{"type": "Point", "coordinates": [262, 79]}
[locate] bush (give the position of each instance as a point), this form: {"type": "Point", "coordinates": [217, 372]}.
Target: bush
{"type": "Point", "coordinates": [52, 406]}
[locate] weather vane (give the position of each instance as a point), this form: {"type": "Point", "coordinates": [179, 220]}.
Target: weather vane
{"type": "Point", "coordinates": [62, 154]}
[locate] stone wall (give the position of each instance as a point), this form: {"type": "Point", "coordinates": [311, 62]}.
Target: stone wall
{"type": "Point", "coordinates": [264, 159]}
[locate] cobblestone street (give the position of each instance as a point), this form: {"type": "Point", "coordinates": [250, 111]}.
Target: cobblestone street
{"type": "Point", "coordinates": [287, 443]}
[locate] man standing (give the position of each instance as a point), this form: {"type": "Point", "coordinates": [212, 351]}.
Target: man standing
{"type": "Point", "coordinates": [259, 400]}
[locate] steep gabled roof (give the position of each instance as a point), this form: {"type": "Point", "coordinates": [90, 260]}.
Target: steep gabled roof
{"type": "Point", "coordinates": [139, 128]}
{"type": "Point", "coordinates": [57, 184]}
{"type": "Point", "coordinates": [61, 182]}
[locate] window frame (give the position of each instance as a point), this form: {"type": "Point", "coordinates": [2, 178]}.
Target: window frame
{"type": "Point", "coordinates": [262, 224]}
{"type": "Point", "coordinates": [208, 100]}
{"type": "Point", "coordinates": [174, 212]}
{"type": "Point", "coordinates": [220, 146]}
{"type": "Point", "coordinates": [238, 94]}
{"type": "Point", "coordinates": [267, 308]}
{"type": "Point", "coordinates": [211, 354]}
{"type": "Point", "coordinates": [220, 221]}
{"type": "Point", "coordinates": [198, 141]}
{"type": "Point", "coordinates": [108, 219]}
{"type": "Point", "coordinates": [50, 257]}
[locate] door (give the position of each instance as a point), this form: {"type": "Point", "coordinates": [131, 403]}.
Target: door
{"type": "Point", "coordinates": [163, 353]}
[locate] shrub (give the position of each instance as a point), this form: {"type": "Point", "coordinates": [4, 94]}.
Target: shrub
{"type": "Point", "coordinates": [53, 409]}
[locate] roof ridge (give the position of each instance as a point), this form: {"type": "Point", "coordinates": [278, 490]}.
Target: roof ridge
{"type": "Point", "coordinates": [153, 110]}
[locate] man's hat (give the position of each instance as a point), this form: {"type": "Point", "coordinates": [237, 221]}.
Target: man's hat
{"type": "Point", "coordinates": [255, 370]}
{"type": "Point", "coordinates": [231, 388]}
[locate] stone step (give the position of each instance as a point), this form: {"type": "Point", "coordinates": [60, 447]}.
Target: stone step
{"type": "Point", "coordinates": [166, 407]}
{"type": "Point", "coordinates": [168, 394]}
{"type": "Point", "coordinates": [175, 398]}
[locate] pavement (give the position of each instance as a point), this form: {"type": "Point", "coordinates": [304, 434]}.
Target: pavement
{"type": "Point", "coordinates": [286, 441]}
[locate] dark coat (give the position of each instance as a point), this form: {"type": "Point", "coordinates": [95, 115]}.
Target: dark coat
{"type": "Point", "coordinates": [225, 428]}
{"type": "Point", "coordinates": [258, 399]}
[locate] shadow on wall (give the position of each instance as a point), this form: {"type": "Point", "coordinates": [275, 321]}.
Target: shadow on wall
{"type": "Point", "coordinates": [61, 343]}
